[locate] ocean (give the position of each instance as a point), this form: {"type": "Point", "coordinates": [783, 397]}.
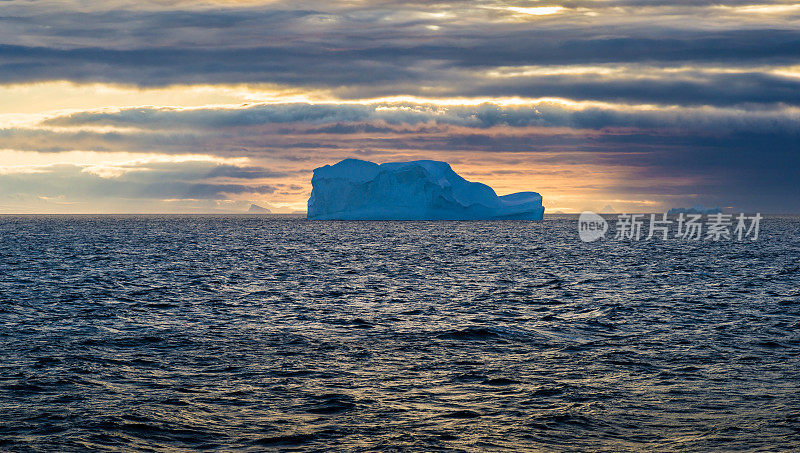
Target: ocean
{"type": "Point", "coordinates": [186, 333]}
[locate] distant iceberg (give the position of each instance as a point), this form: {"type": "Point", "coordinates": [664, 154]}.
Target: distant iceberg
{"type": "Point", "coordinates": [696, 209]}
{"type": "Point", "coordinates": [256, 209]}
{"type": "Point", "coordinates": [420, 190]}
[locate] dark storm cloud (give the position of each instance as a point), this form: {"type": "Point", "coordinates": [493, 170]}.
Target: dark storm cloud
{"type": "Point", "coordinates": [373, 118]}
{"type": "Point", "coordinates": [385, 48]}
{"type": "Point", "coordinates": [690, 90]}
{"type": "Point", "coordinates": [379, 67]}
{"type": "Point", "coordinates": [252, 116]}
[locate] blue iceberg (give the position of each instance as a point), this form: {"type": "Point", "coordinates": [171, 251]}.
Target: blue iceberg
{"type": "Point", "coordinates": [420, 190]}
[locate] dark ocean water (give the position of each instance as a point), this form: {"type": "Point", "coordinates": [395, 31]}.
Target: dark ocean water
{"type": "Point", "coordinates": [256, 333]}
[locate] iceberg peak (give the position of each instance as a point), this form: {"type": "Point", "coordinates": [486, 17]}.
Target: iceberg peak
{"type": "Point", "coordinates": [418, 190]}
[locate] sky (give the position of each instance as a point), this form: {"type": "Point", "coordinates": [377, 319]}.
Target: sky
{"type": "Point", "coordinates": [155, 106]}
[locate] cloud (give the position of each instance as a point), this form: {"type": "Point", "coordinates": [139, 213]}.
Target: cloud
{"type": "Point", "coordinates": [742, 153]}
{"type": "Point", "coordinates": [345, 118]}
{"type": "Point", "coordinates": [372, 49]}
{"type": "Point", "coordinates": [678, 97]}
{"type": "Point", "coordinates": [192, 180]}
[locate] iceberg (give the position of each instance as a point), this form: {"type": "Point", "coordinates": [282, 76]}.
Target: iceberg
{"type": "Point", "coordinates": [696, 209]}
{"type": "Point", "coordinates": [256, 209]}
{"type": "Point", "coordinates": [420, 190]}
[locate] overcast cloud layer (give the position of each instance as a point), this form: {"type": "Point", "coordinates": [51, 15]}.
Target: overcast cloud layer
{"type": "Point", "coordinates": [639, 105]}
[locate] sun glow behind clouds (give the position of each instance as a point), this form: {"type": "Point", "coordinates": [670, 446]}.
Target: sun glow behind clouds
{"type": "Point", "coordinates": [537, 10]}
{"type": "Point", "coordinates": [437, 122]}
{"type": "Point", "coordinates": [104, 164]}
{"type": "Point", "coordinates": [26, 105]}
{"type": "Point", "coordinates": [764, 9]}
{"type": "Point", "coordinates": [545, 171]}
{"type": "Point", "coordinates": [36, 98]}
{"type": "Point", "coordinates": [526, 94]}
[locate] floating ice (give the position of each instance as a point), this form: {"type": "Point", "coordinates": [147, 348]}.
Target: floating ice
{"type": "Point", "coordinates": [420, 190]}
{"type": "Point", "coordinates": [696, 209]}
{"type": "Point", "coordinates": [256, 209]}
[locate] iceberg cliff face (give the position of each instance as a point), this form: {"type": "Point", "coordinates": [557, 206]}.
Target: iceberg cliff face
{"type": "Point", "coordinates": [420, 190]}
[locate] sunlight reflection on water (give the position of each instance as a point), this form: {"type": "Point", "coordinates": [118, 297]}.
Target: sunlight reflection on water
{"type": "Point", "coordinates": [196, 332]}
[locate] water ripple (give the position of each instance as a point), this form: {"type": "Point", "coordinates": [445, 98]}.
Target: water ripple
{"type": "Point", "coordinates": [188, 333]}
